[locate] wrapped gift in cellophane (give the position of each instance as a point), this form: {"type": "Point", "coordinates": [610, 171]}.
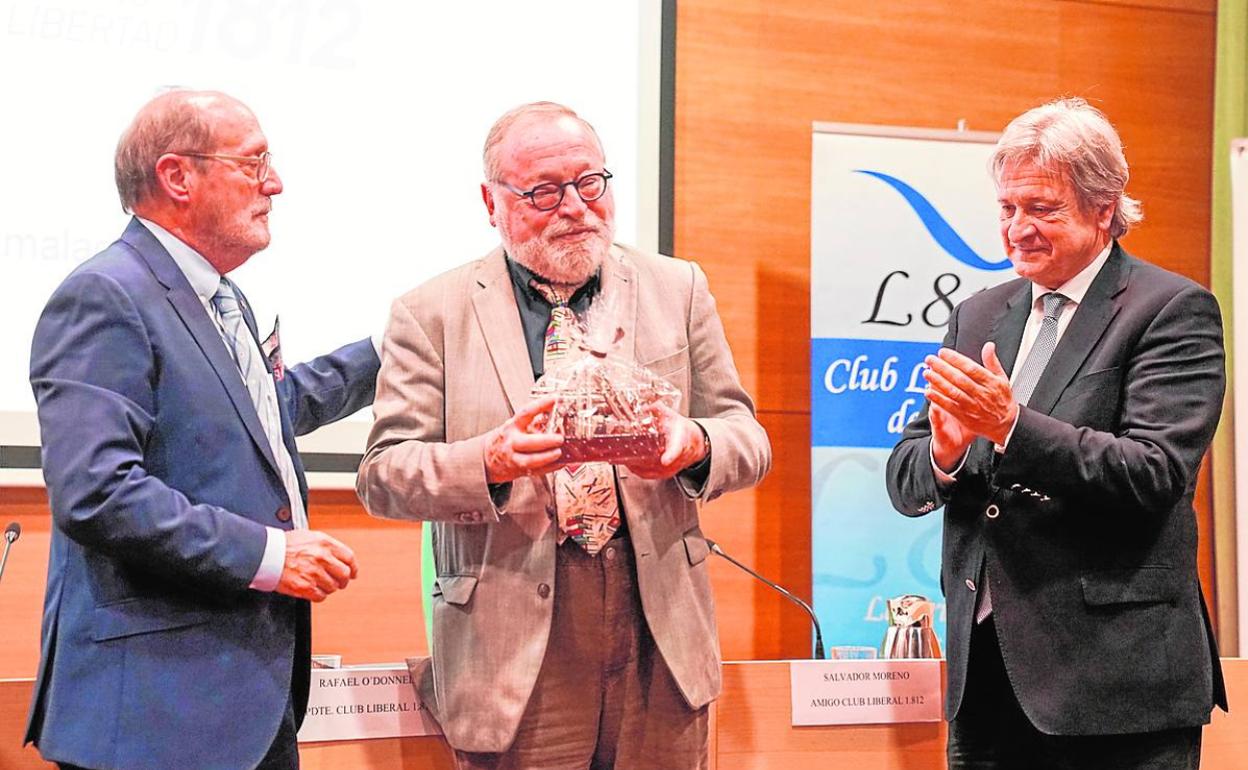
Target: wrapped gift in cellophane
{"type": "Point", "coordinates": [605, 405]}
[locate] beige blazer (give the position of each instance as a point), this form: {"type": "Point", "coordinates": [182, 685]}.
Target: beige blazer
{"type": "Point", "coordinates": [455, 366]}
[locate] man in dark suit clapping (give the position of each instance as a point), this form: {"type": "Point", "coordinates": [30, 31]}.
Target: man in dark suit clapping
{"type": "Point", "coordinates": [1067, 416]}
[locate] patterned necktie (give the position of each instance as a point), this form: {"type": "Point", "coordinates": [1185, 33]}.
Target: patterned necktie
{"type": "Point", "coordinates": [1042, 349]}
{"type": "Point", "coordinates": [586, 504]}
{"type": "Point", "coordinates": [260, 387]}
{"type": "Point", "coordinates": [1024, 386]}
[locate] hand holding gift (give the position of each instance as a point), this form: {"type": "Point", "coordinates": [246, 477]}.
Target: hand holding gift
{"type": "Point", "coordinates": [521, 446]}
{"type": "Point", "coordinates": [685, 445]}
{"type": "Point", "coordinates": [606, 407]}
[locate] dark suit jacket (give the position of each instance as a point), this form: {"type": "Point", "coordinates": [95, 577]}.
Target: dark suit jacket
{"type": "Point", "coordinates": [1092, 556]}
{"type": "Point", "coordinates": [155, 654]}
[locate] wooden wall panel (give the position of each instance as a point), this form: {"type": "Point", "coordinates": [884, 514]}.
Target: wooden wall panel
{"type": "Point", "coordinates": [751, 77]}
{"type": "Point", "coordinates": [378, 618]}
{"type": "Point", "coordinates": [21, 591]}
{"type": "Point", "coordinates": [1152, 73]}
{"type": "Point", "coordinates": [768, 529]}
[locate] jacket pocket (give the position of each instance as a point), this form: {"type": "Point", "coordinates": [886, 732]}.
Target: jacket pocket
{"type": "Point", "coordinates": [695, 546]}
{"type": "Point", "coordinates": [1131, 586]}
{"type": "Point", "coordinates": [665, 366]}
{"type": "Point", "coordinates": [455, 589]}
{"type": "Point", "coordinates": [131, 617]}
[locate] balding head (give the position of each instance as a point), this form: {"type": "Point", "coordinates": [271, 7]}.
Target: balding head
{"type": "Point", "coordinates": [178, 120]}
{"type": "Point", "coordinates": [197, 164]}
{"type": "Point", "coordinates": [533, 112]}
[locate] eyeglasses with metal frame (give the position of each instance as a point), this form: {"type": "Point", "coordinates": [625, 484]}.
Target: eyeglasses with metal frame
{"type": "Point", "coordinates": [263, 161]}
{"type": "Point", "coordinates": [549, 196]}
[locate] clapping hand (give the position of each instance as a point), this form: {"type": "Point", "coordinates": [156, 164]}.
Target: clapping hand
{"type": "Point", "coordinates": [977, 399]}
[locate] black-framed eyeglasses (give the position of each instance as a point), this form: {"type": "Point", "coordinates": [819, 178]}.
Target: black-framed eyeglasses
{"type": "Point", "coordinates": [263, 162]}
{"type": "Point", "coordinates": [548, 196]}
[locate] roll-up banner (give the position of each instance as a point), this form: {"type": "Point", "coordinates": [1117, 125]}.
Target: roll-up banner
{"type": "Point", "coordinates": [903, 227]}
{"type": "Point", "coordinates": [1239, 291]}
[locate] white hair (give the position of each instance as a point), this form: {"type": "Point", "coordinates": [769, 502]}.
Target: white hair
{"type": "Point", "coordinates": [1072, 138]}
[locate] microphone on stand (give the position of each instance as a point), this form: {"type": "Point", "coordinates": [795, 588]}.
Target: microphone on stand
{"type": "Point", "coordinates": [11, 533]}
{"type": "Point", "coordinates": [715, 549]}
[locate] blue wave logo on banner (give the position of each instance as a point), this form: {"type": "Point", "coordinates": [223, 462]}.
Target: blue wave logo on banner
{"type": "Point", "coordinates": [943, 233]}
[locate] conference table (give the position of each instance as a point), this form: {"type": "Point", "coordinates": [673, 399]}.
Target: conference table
{"type": "Point", "coordinates": [750, 730]}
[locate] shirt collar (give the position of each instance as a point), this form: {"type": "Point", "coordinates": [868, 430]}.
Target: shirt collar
{"type": "Point", "coordinates": [1075, 289]}
{"type": "Point", "coordinates": [200, 274]}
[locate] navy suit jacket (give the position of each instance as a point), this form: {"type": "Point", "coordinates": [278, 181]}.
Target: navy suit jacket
{"type": "Point", "coordinates": [155, 653]}
{"type": "Point", "coordinates": [1084, 526]}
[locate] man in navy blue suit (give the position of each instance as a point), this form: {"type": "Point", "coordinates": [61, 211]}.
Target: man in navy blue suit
{"type": "Point", "coordinates": [176, 619]}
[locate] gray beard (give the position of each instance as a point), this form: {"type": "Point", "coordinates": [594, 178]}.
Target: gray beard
{"type": "Point", "coordinates": [572, 265]}
{"type": "Point", "coordinates": [226, 236]}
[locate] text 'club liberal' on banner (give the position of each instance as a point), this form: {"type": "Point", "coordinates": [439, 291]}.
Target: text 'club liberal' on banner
{"type": "Point", "coordinates": [903, 227]}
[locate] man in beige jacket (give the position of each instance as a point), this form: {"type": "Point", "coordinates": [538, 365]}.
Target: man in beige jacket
{"type": "Point", "coordinates": [551, 649]}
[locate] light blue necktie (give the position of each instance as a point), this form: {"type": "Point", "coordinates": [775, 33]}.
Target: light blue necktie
{"type": "Point", "coordinates": [260, 387]}
{"type": "Point", "coordinates": [1024, 386]}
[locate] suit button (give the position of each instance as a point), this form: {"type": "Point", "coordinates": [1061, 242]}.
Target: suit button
{"type": "Point", "coordinates": [970, 584]}
{"type": "Point", "coordinates": [610, 553]}
{"type": "Point", "coordinates": [283, 514]}
{"type": "Point", "coordinates": [993, 511]}
{"type": "Point", "coordinates": [543, 590]}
